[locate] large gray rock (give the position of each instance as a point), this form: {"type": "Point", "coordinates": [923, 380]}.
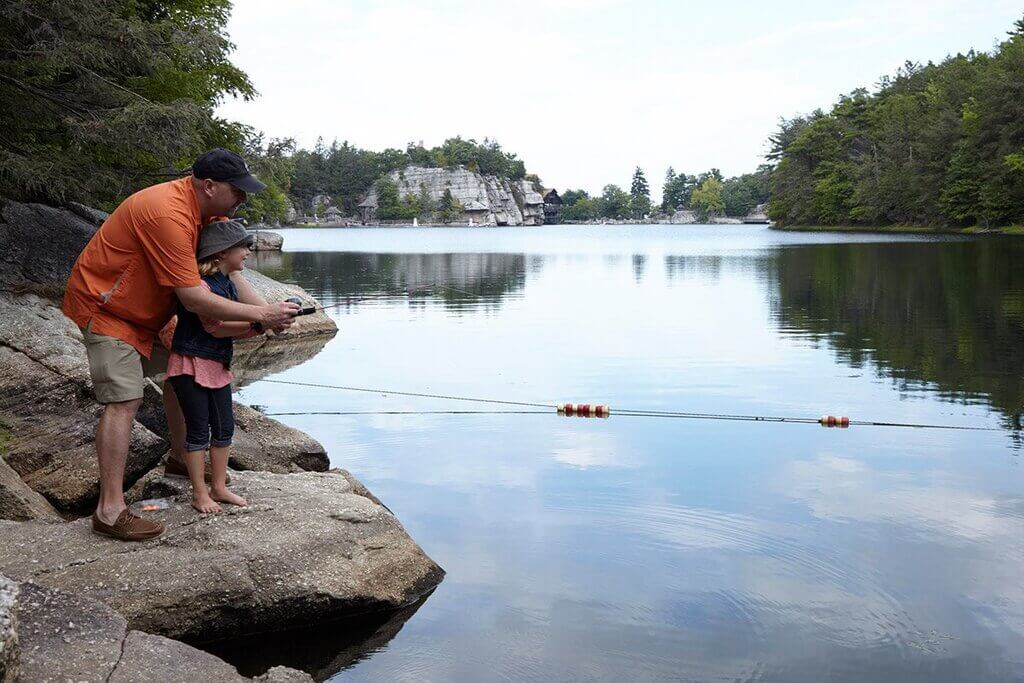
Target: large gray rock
{"type": "Point", "coordinates": [10, 650]}
{"type": "Point", "coordinates": [309, 548]}
{"type": "Point", "coordinates": [317, 323]}
{"type": "Point", "coordinates": [40, 245]}
{"type": "Point", "coordinates": [263, 443]}
{"type": "Point", "coordinates": [265, 240]}
{"type": "Point", "coordinates": [66, 637]}
{"type": "Point", "coordinates": [268, 355]}
{"type": "Point", "coordinates": [18, 501]}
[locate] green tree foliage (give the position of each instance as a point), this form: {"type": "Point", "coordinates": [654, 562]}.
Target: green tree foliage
{"type": "Point", "coordinates": [613, 202]}
{"type": "Point", "coordinates": [98, 99]}
{"type": "Point", "coordinates": [570, 197]}
{"type": "Point", "coordinates": [936, 145]}
{"type": "Point", "coordinates": [639, 195]}
{"type": "Point", "coordinates": [578, 206]}
{"type": "Point", "coordinates": [676, 192]}
{"type": "Point", "coordinates": [274, 165]}
{"type": "Point", "coordinates": [391, 206]}
{"type": "Point", "coordinates": [741, 194]}
{"type": "Point", "coordinates": [707, 199]}
{"type": "Point", "coordinates": [449, 207]}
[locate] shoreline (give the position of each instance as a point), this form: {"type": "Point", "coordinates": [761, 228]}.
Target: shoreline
{"type": "Point", "coordinates": [903, 229]}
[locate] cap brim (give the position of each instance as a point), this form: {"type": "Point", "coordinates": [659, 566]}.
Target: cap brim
{"type": "Point", "coordinates": [248, 183]}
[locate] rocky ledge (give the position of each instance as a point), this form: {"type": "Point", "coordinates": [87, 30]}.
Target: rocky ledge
{"type": "Point", "coordinates": [310, 547]}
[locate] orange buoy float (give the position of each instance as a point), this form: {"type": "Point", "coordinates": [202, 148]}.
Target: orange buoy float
{"type": "Point", "coordinates": [583, 410]}
{"type": "Point", "coordinates": [833, 421]}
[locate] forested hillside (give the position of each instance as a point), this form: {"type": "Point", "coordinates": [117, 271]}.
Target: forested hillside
{"type": "Point", "coordinates": [937, 145]}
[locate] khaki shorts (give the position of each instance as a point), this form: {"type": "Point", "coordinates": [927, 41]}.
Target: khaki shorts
{"type": "Point", "coordinates": [118, 371]}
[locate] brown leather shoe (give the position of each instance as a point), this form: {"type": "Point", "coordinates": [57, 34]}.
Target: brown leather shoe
{"type": "Point", "coordinates": [176, 468]}
{"type": "Point", "coordinates": [127, 527]}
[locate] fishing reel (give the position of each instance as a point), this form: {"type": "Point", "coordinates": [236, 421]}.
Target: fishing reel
{"type": "Point", "coordinates": [298, 302]}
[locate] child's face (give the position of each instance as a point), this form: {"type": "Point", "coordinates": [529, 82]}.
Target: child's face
{"type": "Point", "coordinates": [234, 258]}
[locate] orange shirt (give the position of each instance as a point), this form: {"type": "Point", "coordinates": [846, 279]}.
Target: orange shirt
{"type": "Point", "coordinates": [124, 279]}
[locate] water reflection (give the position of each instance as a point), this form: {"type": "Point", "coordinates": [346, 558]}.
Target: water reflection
{"type": "Point", "coordinates": [345, 277]}
{"type": "Point", "coordinates": [948, 315]}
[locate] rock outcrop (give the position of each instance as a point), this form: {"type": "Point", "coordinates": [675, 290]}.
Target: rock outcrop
{"type": "Point", "coordinates": [259, 357]}
{"type": "Point", "coordinates": [757, 215]}
{"type": "Point", "coordinates": [308, 548]}
{"type": "Point", "coordinates": [318, 323]}
{"type": "Point", "coordinates": [486, 200]}
{"type": "Point", "coordinates": [19, 502]}
{"type": "Point", "coordinates": [65, 637]}
{"type": "Point", "coordinates": [264, 239]}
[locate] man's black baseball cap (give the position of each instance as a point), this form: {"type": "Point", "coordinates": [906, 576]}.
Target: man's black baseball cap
{"type": "Point", "coordinates": [226, 166]}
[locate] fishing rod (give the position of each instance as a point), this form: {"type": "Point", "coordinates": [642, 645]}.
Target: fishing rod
{"type": "Point", "coordinates": [588, 410]}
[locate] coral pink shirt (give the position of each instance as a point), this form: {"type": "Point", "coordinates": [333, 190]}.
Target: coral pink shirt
{"type": "Point", "coordinates": [207, 373]}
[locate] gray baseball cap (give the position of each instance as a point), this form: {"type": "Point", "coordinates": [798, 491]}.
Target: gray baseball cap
{"type": "Point", "coordinates": [221, 235]}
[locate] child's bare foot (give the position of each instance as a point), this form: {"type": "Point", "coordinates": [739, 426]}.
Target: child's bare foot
{"type": "Point", "coordinates": [205, 504]}
{"type": "Point", "coordinates": [226, 496]}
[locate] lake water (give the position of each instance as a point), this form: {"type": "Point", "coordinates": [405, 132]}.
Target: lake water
{"type": "Point", "coordinates": [638, 548]}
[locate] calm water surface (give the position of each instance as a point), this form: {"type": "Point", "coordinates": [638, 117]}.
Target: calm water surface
{"type": "Point", "coordinates": [653, 549]}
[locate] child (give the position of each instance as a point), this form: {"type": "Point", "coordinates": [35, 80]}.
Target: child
{"type": "Point", "coordinates": [199, 366]}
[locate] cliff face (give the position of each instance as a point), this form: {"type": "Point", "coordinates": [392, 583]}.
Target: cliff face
{"type": "Point", "coordinates": [486, 200]}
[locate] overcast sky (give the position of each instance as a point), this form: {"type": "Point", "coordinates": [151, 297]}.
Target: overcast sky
{"type": "Point", "coordinates": [582, 90]}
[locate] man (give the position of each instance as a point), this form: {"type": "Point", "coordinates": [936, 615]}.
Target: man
{"type": "Point", "coordinates": [124, 288]}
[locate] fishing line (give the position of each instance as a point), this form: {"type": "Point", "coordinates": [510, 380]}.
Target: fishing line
{"type": "Point", "coordinates": [600, 410]}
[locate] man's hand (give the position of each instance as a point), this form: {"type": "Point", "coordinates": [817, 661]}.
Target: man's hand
{"type": "Point", "coordinates": [279, 316]}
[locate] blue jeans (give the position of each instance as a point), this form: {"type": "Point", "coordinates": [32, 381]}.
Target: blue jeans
{"type": "Point", "coordinates": [208, 413]}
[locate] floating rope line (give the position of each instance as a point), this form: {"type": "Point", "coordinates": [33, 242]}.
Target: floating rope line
{"type": "Point", "coordinates": [599, 410]}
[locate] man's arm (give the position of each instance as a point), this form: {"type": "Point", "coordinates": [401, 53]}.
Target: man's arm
{"type": "Point", "coordinates": [247, 294]}
{"type": "Point", "coordinates": [201, 301]}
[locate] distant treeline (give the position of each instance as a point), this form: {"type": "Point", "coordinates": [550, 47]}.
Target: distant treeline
{"type": "Point", "coordinates": [708, 194]}
{"type": "Point", "coordinates": [941, 144]}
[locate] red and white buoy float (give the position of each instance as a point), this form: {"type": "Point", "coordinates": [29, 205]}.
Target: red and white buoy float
{"type": "Point", "coordinates": [584, 410]}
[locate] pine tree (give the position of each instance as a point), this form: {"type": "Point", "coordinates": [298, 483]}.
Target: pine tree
{"type": "Point", "coordinates": [639, 195]}
{"type": "Point", "coordinates": [98, 99]}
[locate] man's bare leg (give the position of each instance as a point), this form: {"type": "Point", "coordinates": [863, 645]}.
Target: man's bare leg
{"type": "Point", "coordinates": [113, 439]}
{"type": "Point", "coordinates": [175, 422]}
